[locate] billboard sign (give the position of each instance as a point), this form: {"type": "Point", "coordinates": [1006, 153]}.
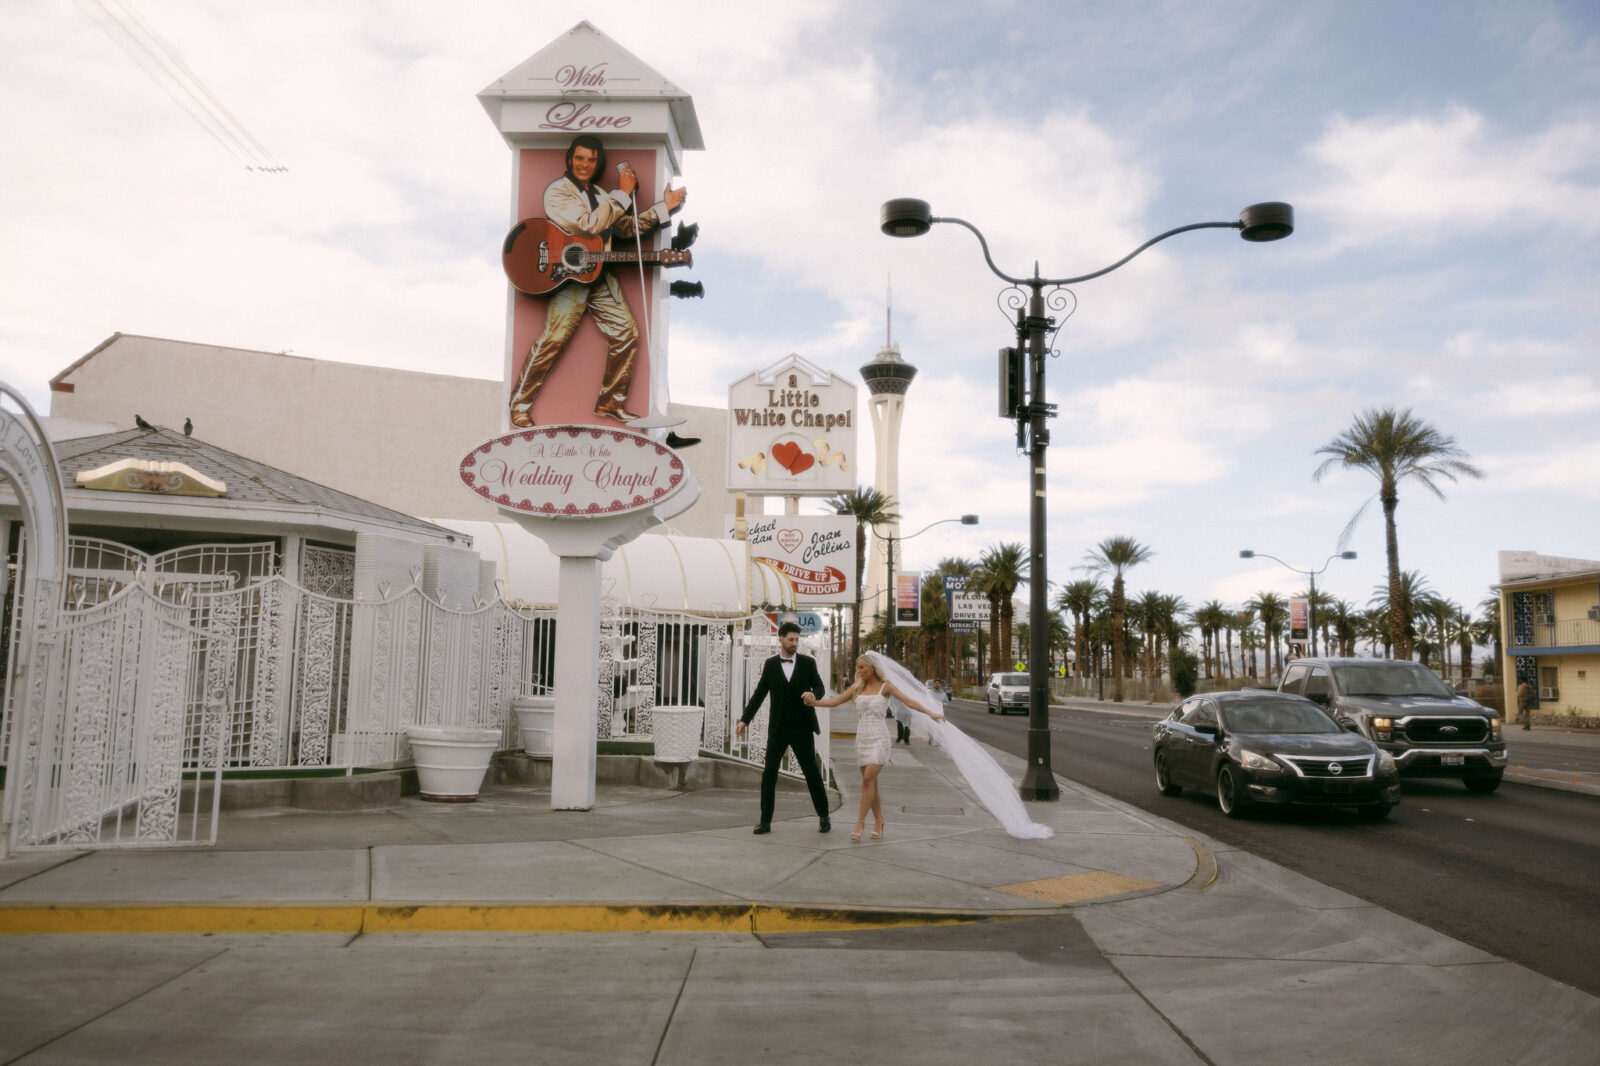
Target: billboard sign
{"type": "Point", "coordinates": [792, 431]}
{"type": "Point", "coordinates": [814, 555]}
{"type": "Point", "coordinates": [1299, 620]}
{"type": "Point", "coordinates": [908, 598]}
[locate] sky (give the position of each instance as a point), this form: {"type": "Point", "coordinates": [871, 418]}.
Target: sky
{"type": "Point", "coordinates": [1443, 161]}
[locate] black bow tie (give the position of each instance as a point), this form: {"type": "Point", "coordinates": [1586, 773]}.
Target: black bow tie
{"type": "Point", "coordinates": [783, 660]}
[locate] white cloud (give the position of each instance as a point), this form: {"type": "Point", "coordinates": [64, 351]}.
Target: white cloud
{"type": "Point", "coordinates": [1559, 477]}
{"type": "Point", "coordinates": [1420, 178]}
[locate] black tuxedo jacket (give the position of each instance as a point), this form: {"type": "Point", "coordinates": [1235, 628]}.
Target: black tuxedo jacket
{"type": "Point", "coordinates": [788, 714]}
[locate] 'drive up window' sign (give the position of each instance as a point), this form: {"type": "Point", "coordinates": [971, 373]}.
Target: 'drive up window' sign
{"type": "Point", "coordinates": [813, 555]}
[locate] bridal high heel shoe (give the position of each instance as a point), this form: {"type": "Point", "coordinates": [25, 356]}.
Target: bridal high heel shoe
{"type": "Point", "coordinates": [877, 831]}
{"type": "Point", "coordinates": [855, 836]}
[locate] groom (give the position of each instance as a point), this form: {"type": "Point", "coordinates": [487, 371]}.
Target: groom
{"type": "Point", "coordinates": [786, 677]}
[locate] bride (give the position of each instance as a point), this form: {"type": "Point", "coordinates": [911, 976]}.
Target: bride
{"type": "Point", "coordinates": [871, 693]}
{"type": "Point", "coordinates": [892, 684]}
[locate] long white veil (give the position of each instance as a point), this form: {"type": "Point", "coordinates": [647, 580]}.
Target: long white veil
{"type": "Point", "coordinates": [994, 789]}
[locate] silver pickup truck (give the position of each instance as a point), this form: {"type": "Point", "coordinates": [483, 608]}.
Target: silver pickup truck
{"type": "Point", "coordinates": [1407, 711]}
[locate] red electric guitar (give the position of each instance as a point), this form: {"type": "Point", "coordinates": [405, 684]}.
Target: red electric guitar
{"type": "Point", "coordinates": [540, 257]}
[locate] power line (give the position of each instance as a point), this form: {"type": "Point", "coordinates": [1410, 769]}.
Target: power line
{"type": "Point", "coordinates": [167, 69]}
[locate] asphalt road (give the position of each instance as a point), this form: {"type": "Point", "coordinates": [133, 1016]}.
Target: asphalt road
{"type": "Point", "coordinates": [1512, 872]}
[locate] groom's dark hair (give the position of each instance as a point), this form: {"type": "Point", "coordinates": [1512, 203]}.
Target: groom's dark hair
{"type": "Point", "coordinates": [787, 628]}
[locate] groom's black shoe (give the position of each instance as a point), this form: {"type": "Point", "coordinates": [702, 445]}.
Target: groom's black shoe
{"type": "Point", "coordinates": [763, 828]}
{"type": "Point", "coordinates": [824, 825]}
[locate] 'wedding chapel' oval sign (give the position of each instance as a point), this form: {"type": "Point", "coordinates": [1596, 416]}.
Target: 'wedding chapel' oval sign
{"type": "Point", "coordinates": [573, 471]}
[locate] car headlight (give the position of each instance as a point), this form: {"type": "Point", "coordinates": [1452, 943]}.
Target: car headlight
{"type": "Point", "coordinates": [1494, 727]}
{"type": "Point", "coordinates": [1382, 728]}
{"type": "Point", "coordinates": [1253, 761]}
{"type": "Point", "coordinates": [1385, 762]}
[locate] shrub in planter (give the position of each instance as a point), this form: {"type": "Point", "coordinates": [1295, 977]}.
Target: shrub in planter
{"type": "Point", "coordinates": [1185, 671]}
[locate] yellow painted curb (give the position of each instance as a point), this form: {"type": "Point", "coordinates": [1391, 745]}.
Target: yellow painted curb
{"type": "Point", "coordinates": [192, 918]}
{"type": "Point", "coordinates": [1205, 866]}
{"type": "Point", "coordinates": [462, 918]}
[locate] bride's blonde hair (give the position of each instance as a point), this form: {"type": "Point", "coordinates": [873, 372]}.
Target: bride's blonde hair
{"type": "Point", "coordinates": [870, 666]}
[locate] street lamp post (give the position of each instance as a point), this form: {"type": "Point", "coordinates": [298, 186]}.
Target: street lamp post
{"type": "Point", "coordinates": [966, 520]}
{"type": "Point", "coordinates": [1311, 619]}
{"type": "Point", "coordinates": [908, 217]}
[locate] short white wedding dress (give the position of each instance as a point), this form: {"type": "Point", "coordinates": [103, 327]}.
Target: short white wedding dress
{"type": "Point", "coordinates": [873, 742]}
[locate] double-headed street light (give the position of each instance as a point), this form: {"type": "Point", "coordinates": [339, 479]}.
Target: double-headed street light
{"type": "Point", "coordinates": [1025, 402]}
{"type": "Point", "coordinates": [894, 605]}
{"type": "Point", "coordinates": [1311, 619]}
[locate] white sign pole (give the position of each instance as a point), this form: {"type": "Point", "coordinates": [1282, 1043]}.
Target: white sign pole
{"type": "Point", "coordinates": [574, 741]}
{"type": "Point", "coordinates": [579, 492]}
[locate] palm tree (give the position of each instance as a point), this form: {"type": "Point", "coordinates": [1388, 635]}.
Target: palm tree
{"type": "Point", "coordinates": [1248, 640]}
{"type": "Point", "coordinates": [1145, 612]}
{"type": "Point", "coordinates": [1230, 622]}
{"type": "Point", "coordinates": [1443, 612]}
{"type": "Point", "coordinates": [1342, 618]}
{"type": "Point", "coordinates": [1271, 609]}
{"type": "Point", "coordinates": [1174, 627]}
{"type": "Point", "coordinates": [1000, 570]}
{"type": "Point", "coordinates": [1375, 627]}
{"type": "Point", "coordinates": [1056, 636]}
{"type": "Point", "coordinates": [1404, 598]}
{"type": "Point", "coordinates": [1079, 599]}
{"type": "Point", "coordinates": [1489, 628]}
{"type": "Point", "coordinates": [868, 507]}
{"type": "Point", "coordinates": [1392, 446]}
{"type": "Point", "coordinates": [1116, 556]}
{"type": "Point", "coordinates": [1466, 634]}
{"type": "Point", "coordinates": [1212, 618]}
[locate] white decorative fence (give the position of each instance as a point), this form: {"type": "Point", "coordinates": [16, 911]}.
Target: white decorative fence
{"type": "Point", "coordinates": [182, 675]}
{"type": "Point", "coordinates": [130, 696]}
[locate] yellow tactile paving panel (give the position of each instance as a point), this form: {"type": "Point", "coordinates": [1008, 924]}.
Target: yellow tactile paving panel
{"type": "Point", "coordinates": [1079, 888]}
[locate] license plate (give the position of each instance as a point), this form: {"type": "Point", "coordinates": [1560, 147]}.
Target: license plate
{"type": "Point", "coordinates": [1452, 760]}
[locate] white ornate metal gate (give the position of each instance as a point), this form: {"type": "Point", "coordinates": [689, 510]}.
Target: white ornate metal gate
{"type": "Point", "coordinates": [133, 693]}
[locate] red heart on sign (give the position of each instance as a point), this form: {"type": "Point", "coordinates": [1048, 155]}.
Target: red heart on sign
{"type": "Point", "coordinates": [791, 458]}
{"type": "Point", "coordinates": [789, 539]}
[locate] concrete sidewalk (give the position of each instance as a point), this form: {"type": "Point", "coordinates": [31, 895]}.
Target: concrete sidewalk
{"type": "Point", "coordinates": [657, 929]}
{"type": "Point", "coordinates": [643, 859]}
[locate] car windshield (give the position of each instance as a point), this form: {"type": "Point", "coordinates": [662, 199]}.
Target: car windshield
{"type": "Point", "coordinates": [1014, 680]}
{"type": "Point", "coordinates": [1389, 679]}
{"type": "Point", "coordinates": [1276, 716]}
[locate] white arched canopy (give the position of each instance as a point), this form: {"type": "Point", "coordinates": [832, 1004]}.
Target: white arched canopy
{"type": "Point", "coordinates": [700, 575]}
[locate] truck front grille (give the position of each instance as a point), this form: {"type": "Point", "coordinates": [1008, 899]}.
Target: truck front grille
{"type": "Point", "coordinates": [1471, 730]}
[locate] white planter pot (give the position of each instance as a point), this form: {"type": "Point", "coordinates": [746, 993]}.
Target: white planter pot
{"type": "Point", "coordinates": [536, 723]}
{"type": "Point", "coordinates": [676, 731]}
{"type": "Point", "coordinates": [451, 760]}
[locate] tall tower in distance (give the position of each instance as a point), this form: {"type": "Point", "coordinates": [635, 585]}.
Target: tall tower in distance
{"type": "Point", "coordinates": [887, 377]}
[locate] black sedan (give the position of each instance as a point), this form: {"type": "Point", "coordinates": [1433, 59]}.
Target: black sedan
{"type": "Point", "coordinates": [1264, 747]}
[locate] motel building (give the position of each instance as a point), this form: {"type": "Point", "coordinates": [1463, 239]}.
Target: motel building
{"type": "Point", "coordinates": [1550, 612]}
